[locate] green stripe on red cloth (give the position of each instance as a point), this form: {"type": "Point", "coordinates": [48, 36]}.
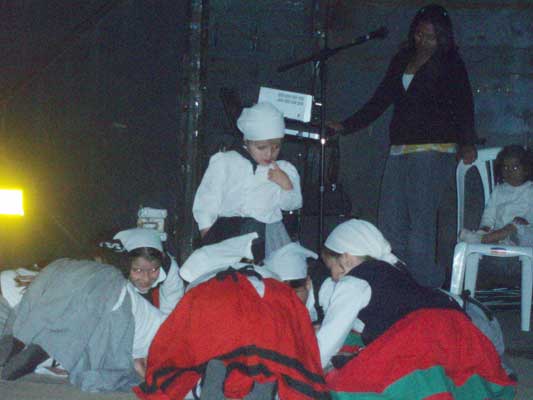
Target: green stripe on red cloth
{"type": "Point", "coordinates": [433, 384]}
{"type": "Point", "coordinates": [443, 341]}
{"type": "Point", "coordinates": [354, 339]}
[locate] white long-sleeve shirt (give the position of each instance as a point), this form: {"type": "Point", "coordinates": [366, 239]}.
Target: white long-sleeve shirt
{"type": "Point", "coordinates": [342, 301]}
{"type": "Point", "coordinates": [230, 188]}
{"type": "Point", "coordinates": [172, 289]}
{"type": "Point", "coordinates": [146, 317]}
{"type": "Point", "coordinates": [507, 202]}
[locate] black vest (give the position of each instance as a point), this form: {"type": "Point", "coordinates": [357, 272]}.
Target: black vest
{"type": "Point", "coordinates": [394, 295]}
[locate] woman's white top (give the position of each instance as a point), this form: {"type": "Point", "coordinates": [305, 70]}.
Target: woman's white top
{"type": "Point", "coordinates": [406, 80]}
{"type": "Point", "coordinates": [230, 188]}
{"type": "Point", "coordinates": [341, 302]}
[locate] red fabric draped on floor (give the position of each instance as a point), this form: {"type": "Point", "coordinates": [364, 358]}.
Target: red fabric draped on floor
{"type": "Point", "coordinates": [259, 339]}
{"type": "Point", "coordinates": [430, 354]}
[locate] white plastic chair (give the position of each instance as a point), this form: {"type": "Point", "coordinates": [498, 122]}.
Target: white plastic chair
{"type": "Point", "coordinates": [466, 256]}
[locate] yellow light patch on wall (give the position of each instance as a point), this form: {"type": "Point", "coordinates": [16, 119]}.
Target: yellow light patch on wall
{"type": "Point", "coordinates": [11, 202]}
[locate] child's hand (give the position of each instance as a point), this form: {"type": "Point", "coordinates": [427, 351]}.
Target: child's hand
{"type": "Point", "coordinates": [278, 176]}
{"type": "Point", "coordinates": [140, 366]}
{"type": "Point", "coordinates": [520, 221]}
{"type": "Point", "coordinates": [498, 234]}
{"type": "Point", "coordinates": [467, 153]}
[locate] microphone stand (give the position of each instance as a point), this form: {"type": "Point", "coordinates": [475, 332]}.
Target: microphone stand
{"type": "Point", "coordinates": [320, 59]}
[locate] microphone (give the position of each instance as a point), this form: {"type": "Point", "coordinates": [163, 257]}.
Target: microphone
{"type": "Point", "coordinates": [326, 53]}
{"type": "Point", "coordinates": [380, 33]}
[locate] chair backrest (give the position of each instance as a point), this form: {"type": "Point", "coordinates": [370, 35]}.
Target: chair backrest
{"type": "Point", "coordinates": [485, 166]}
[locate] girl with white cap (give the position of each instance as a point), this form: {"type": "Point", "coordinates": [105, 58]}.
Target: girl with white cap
{"type": "Point", "coordinates": [152, 272]}
{"type": "Point", "coordinates": [245, 190]}
{"type": "Point", "coordinates": [411, 333]}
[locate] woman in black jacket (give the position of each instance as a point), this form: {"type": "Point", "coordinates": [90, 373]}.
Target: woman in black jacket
{"type": "Point", "coordinates": [433, 119]}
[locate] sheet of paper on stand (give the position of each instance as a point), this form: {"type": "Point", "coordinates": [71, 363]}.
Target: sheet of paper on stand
{"type": "Point", "coordinates": [293, 105]}
{"type": "Point", "coordinates": [297, 109]}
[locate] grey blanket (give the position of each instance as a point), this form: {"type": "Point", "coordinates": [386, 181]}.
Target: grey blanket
{"type": "Point", "coordinates": [67, 310]}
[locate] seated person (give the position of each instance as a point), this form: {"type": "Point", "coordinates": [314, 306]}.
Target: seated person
{"type": "Point", "coordinates": [245, 190]}
{"type": "Point", "coordinates": [86, 316]}
{"type": "Point", "coordinates": [232, 312]}
{"type": "Point", "coordinates": [419, 343]}
{"type": "Point", "coordinates": [509, 211]}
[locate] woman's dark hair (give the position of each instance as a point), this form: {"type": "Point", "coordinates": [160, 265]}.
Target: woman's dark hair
{"type": "Point", "coordinates": [524, 157]}
{"type": "Point", "coordinates": [440, 19]}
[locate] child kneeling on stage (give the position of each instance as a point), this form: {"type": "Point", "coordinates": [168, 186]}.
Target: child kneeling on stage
{"type": "Point", "coordinates": [419, 343]}
{"type": "Point", "coordinates": [289, 264]}
{"type": "Point", "coordinates": [245, 190]}
{"type": "Point", "coordinates": [234, 313]}
{"type": "Point", "coordinates": [86, 316]}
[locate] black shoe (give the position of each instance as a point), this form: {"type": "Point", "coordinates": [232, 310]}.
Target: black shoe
{"type": "Point", "coordinates": [9, 346]}
{"type": "Point", "coordinates": [513, 376]}
{"type": "Point", "coordinates": [24, 363]}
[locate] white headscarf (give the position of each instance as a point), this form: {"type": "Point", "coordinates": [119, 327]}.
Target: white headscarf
{"type": "Point", "coordinates": [219, 255]}
{"type": "Point", "coordinates": [289, 262]}
{"type": "Point", "coordinates": [360, 238]}
{"type": "Point", "coordinates": [262, 121]}
{"type": "Point", "coordinates": [140, 237]}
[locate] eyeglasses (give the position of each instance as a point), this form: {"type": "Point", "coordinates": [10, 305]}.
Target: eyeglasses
{"type": "Point", "coordinates": [511, 168]}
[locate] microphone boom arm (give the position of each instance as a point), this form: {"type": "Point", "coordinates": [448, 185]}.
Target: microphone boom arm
{"type": "Point", "coordinates": [326, 52]}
